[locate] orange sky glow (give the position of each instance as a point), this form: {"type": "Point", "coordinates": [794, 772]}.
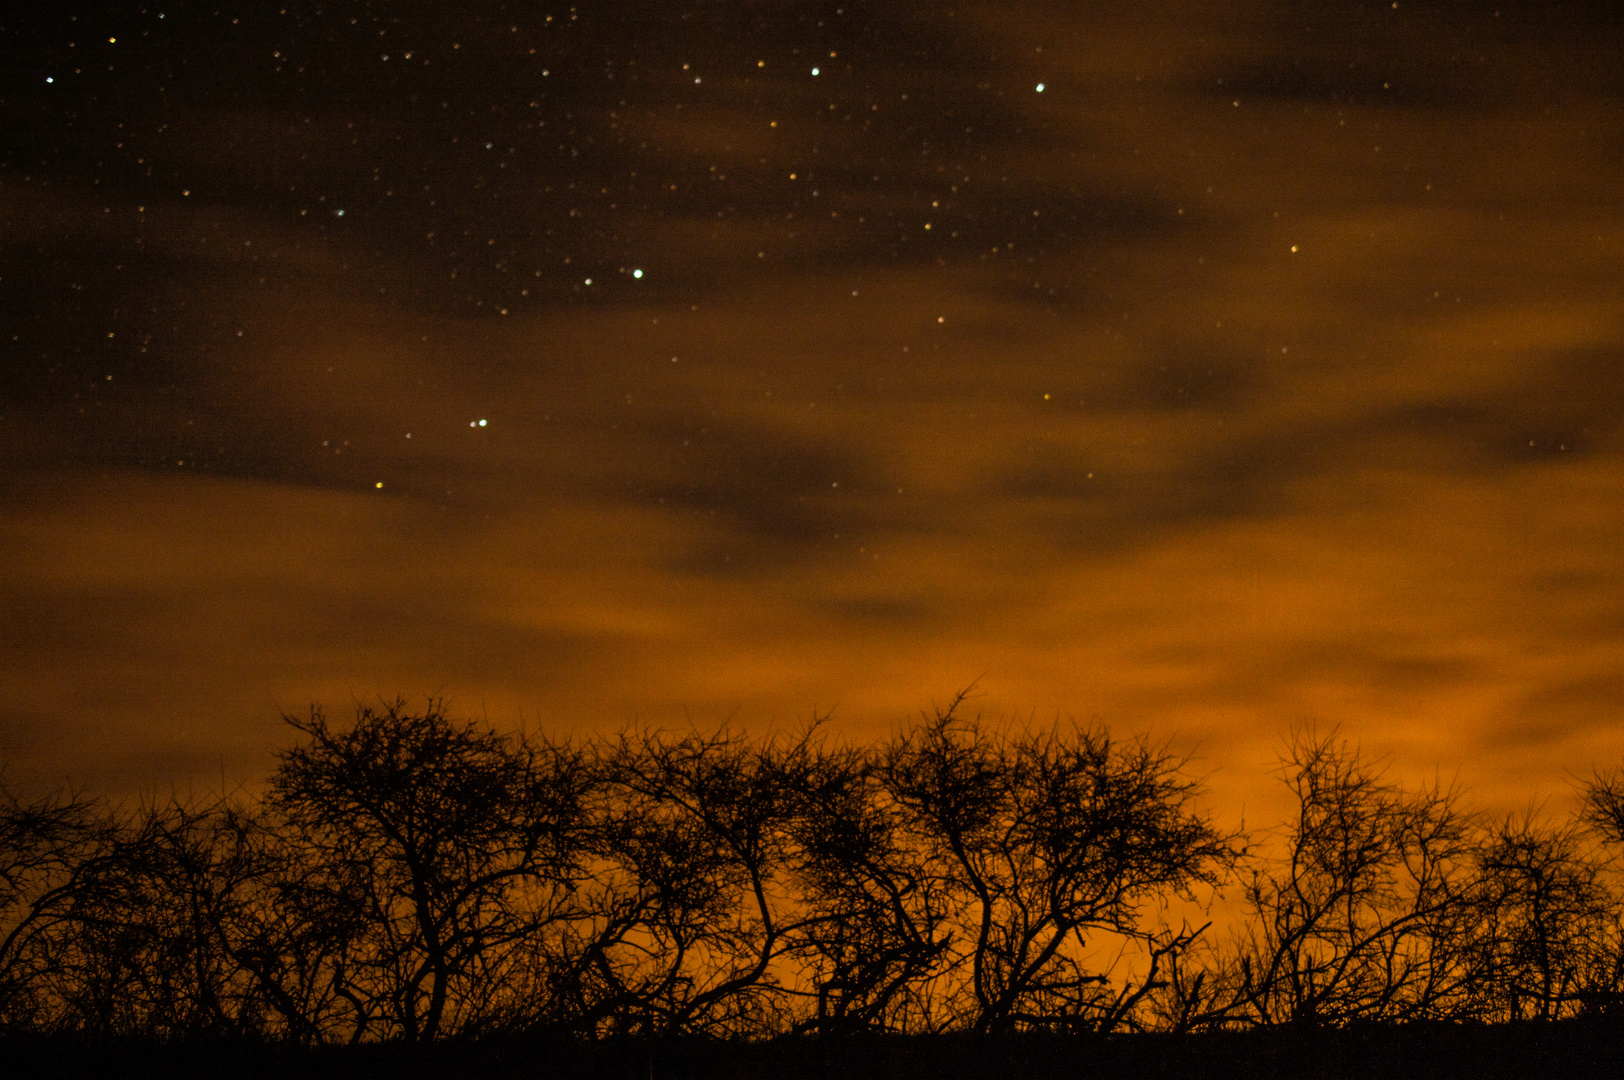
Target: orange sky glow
{"type": "Point", "coordinates": [1271, 376]}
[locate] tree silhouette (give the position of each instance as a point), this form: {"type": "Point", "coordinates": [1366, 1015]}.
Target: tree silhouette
{"type": "Point", "coordinates": [445, 844]}
{"type": "Point", "coordinates": [1049, 838]}
{"type": "Point", "coordinates": [412, 877]}
{"type": "Point", "coordinates": [1553, 924]}
{"type": "Point", "coordinates": [47, 847]}
{"type": "Point", "coordinates": [702, 832]}
{"type": "Point", "coordinates": [1367, 912]}
{"type": "Point", "coordinates": [881, 936]}
{"type": "Point", "coordinates": [1602, 800]}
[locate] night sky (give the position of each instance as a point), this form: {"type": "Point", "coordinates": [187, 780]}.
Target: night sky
{"type": "Point", "coordinates": [1200, 369]}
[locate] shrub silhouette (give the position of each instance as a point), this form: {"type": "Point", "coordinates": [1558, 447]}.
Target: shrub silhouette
{"type": "Point", "coordinates": [443, 845]}
{"type": "Point", "coordinates": [411, 877]}
{"type": "Point", "coordinates": [1369, 912]}
{"type": "Point", "coordinates": [1044, 839]}
{"type": "Point", "coordinates": [49, 849]}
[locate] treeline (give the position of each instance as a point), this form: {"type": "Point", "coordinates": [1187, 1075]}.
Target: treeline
{"type": "Point", "coordinates": [412, 877]}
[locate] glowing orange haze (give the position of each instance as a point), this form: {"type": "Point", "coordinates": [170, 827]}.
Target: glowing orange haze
{"type": "Point", "coordinates": [1329, 447]}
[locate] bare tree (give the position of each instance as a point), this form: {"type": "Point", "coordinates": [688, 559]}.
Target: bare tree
{"type": "Point", "coordinates": [654, 885]}
{"type": "Point", "coordinates": [1367, 911]}
{"type": "Point", "coordinates": [1053, 839]}
{"type": "Point", "coordinates": [47, 846]}
{"type": "Point", "coordinates": [1602, 804]}
{"type": "Point", "coordinates": [880, 933]}
{"type": "Point", "coordinates": [1602, 810]}
{"type": "Point", "coordinates": [701, 843]}
{"type": "Point", "coordinates": [1553, 925]}
{"type": "Point", "coordinates": [414, 877]}
{"type": "Point", "coordinates": [197, 923]}
{"type": "Point", "coordinates": [447, 845]}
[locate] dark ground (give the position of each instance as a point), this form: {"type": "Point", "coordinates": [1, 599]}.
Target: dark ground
{"type": "Point", "coordinates": [1580, 1048]}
